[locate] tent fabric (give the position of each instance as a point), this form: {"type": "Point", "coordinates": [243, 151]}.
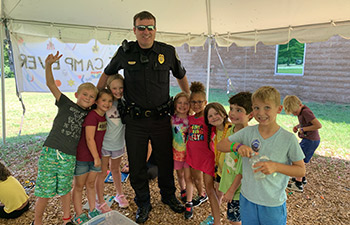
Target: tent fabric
{"type": "Point", "coordinates": [244, 23]}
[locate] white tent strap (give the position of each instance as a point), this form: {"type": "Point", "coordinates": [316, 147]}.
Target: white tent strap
{"type": "Point", "coordinates": [39, 31]}
{"type": "Point", "coordinates": [224, 68]}
{"type": "Point", "coordinates": [304, 34]}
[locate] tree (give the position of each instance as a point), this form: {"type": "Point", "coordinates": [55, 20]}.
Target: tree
{"type": "Point", "coordinates": [289, 55]}
{"type": "Point", "coordinates": [8, 64]}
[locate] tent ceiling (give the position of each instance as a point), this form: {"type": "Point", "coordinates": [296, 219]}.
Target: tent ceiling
{"type": "Point", "coordinates": [186, 21]}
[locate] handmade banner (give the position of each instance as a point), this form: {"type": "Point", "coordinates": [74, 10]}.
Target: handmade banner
{"type": "Point", "coordinates": [80, 63]}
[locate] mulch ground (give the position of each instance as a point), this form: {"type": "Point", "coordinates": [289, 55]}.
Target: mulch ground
{"type": "Point", "coordinates": [325, 199]}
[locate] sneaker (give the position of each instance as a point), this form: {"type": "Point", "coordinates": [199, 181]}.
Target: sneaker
{"type": "Point", "coordinates": [103, 208]}
{"type": "Point", "coordinates": [197, 201]}
{"type": "Point", "coordinates": [304, 181]}
{"type": "Point", "coordinates": [183, 196]}
{"type": "Point", "coordinates": [208, 221]}
{"type": "Point", "coordinates": [70, 223]}
{"type": "Point", "coordinates": [174, 204]}
{"type": "Point", "coordinates": [122, 201]}
{"type": "Point", "coordinates": [296, 186]}
{"type": "Point", "coordinates": [188, 210]}
{"type": "Point", "coordinates": [93, 213]}
{"type": "Point", "coordinates": [81, 219]}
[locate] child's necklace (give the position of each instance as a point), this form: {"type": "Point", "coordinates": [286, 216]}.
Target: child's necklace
{"type": "Point", "coordinates": [216, 140]}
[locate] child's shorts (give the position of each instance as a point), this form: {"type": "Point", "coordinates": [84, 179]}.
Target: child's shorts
{"type": "Point", "coordinates": [233, 212]}
{"type": "Point", "coordinates": [178, 165]}
{"type": "Point", "coordinates": [309, 147]}
{"type": "Point", "coordinates": [55, 173]}
{"type": "Point", "coordinates": [82, 167]}
{"type": "Point", "coordinates": [113, 154]}
{"type": "Point", "coordinates": [252, 213]}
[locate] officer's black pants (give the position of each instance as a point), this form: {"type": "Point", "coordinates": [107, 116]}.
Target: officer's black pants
{"type": "Point", "coordinates": [137, 134]}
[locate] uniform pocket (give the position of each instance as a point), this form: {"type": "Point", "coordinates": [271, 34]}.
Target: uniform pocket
{"type": "Point", "coordinates": [162, 72]}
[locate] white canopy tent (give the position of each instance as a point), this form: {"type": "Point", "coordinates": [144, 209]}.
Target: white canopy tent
{"type": "Point", "coordinates": [244, 23]}
{"type": "Point", "coordinates": [181, 21]}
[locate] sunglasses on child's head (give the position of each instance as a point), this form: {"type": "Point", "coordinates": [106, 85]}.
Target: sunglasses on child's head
{"type": "Point", "coordinates": [143, 27]}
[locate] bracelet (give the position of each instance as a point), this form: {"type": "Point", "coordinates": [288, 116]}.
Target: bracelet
{"type": "Point", "coordinates": [302, 129]}
{"type": "Point", "coordinates": [238, 147]}
{"type": "Point", "coordinates": [231, 148]}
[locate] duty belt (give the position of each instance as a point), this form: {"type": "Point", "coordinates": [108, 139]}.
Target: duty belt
{"type": "Point", "coordinates": [139, 112]}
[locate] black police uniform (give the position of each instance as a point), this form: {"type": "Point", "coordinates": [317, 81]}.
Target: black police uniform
{"type": "Point", "coordinates": [146, 91]}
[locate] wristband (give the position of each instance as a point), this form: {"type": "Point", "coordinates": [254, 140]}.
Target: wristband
{"type": "Point", "coordinates": [238, 147]}
{"type": "Point", "coordinates": [302, 130]}
{"type": "Point", "coordinates": [231, 148]}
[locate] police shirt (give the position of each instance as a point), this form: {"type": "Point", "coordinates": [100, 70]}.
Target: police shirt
{"type": "Point", "coordinates": [146, 73]}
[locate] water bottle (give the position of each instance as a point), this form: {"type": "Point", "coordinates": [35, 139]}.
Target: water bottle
{"type": "Point", "coordinates": [257, 158]}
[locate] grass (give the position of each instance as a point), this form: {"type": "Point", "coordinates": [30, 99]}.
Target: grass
{"type": "Point", "coordinates": [41, 110]}
{"type": "Point", "coordinates": [290, 70]}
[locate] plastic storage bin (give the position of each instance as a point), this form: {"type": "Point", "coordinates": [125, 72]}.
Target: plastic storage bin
{"type": "Point", "coordinates": [111, 218]}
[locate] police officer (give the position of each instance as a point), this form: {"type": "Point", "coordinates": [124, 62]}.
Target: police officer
{"type": "Point", "coordinates": [146, 65]}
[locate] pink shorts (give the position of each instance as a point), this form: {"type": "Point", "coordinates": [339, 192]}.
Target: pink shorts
{"type": "Point", "coordinates": [178, 165]}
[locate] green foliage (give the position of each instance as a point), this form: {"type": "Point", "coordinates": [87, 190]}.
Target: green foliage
{"type": "Point", "coordinates": [290, 54]}
{"type": "Point", "coordinates": [7, 68]}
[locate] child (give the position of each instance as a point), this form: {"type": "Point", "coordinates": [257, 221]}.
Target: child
{"type": "Point", "coordinates": [198, 156]}
{"type": "Point", "coordinates": [263, 201]}
{"type": "Point", "coordinates": [57, 159]}
{"type": "Point", "coordinates": [240, 114]}
{"type": "Point", "coordinates": [179, 123]}
{"type": "Point", "coordinates": [216, 119]}
{"type": "Point", "coordinates": [113, 147]}
{"type": "Point", "coordinates": [13, 198]}
{"type": "Point", "coordinates": [307, 130]}
{"type": "Point", "coordinates": [89, 156]}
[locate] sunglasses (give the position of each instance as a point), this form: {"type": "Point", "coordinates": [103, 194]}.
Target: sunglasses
{"type": "Point", "coordinates": [143, 27]}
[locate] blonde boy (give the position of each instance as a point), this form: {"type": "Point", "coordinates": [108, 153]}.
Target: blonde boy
{"type": "Point", "coordinates": [57, 159]}
{"type": "Point", "coordinates": [307, 130]}
{"type": "Point", "coordinates": [263, 201]}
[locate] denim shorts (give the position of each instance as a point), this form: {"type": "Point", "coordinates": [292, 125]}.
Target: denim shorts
{"type": "Point", "coordinates": [82, 167]}
{"type": "Point", "coordinates": [309, 147]}
{"type": "Point", "coordinates": [55, 173]}
{"type": "Point", "coordinates": [252, 213]}
{"type": "Point", "coordinates": [233, 213]}
{"type": "Point", "coordinates": [113, 154]}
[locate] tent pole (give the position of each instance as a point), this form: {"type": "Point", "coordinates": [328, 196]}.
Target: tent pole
{"type": "Point", "coordinates": [3, 84]}
{"type": "Point", "coordinates": [208, 65]}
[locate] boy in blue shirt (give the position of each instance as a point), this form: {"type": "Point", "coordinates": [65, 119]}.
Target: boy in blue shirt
{"type": "Point", "coordinates": [263, 201]}
{"type": "Point", "coordinates": [57, 160]}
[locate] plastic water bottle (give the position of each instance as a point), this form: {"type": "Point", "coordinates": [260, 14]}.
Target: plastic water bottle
{"type": "Point", "coordinates": [257, 158]}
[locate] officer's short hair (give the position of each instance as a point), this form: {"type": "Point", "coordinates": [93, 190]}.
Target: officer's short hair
{"type": "Point", "coordinates": [144, 15]}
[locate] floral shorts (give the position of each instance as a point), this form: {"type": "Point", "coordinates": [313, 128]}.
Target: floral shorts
{"type": "Point", "coordinates": [55, 173]}
{"type": "Point", "coordinates": [233, 213]}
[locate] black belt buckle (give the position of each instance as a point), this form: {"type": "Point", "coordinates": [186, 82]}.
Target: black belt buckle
{"type": "Point", "coordinates": [148, 113]}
